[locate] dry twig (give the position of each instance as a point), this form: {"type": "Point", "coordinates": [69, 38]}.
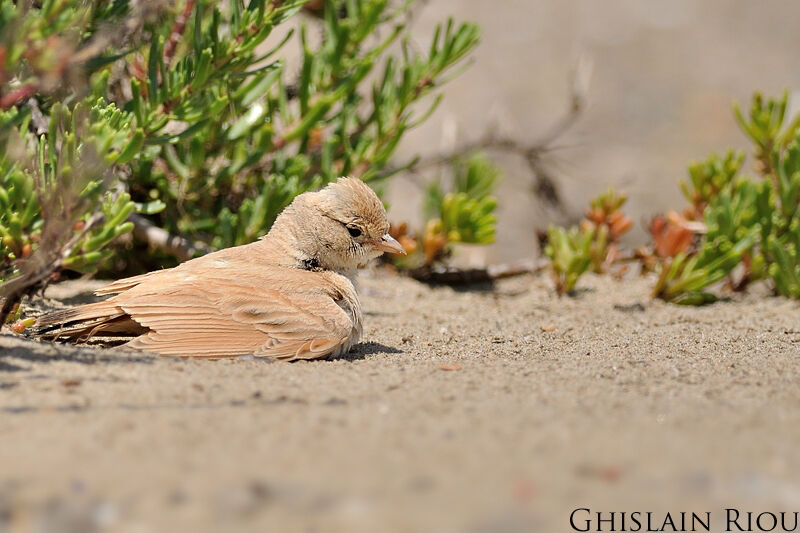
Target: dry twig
{"type": "Point", "coordinates": [445, 275]}
{"type": "Point", "coordinates": [37, 270]}
{"type": "Point", "coordinates": [544, 185]}
{"type": "Point", "coordinates": [161, 239]}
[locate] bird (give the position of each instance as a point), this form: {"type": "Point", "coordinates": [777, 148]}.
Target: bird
{"type": "Point", "coordinates": [290, 295]}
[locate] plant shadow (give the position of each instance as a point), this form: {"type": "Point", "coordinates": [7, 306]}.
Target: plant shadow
{"type": "Point", "coordinates": [477, 286]}
{"type": "Point", "coordinates": [580, 292]}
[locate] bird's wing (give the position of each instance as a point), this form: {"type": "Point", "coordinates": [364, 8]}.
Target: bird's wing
{"type": "Point", "coordinates": [222, 318]}
{"type": "Point", "coordinates": [122, 285]}
{"type": "Point", "coordinates": [199, 264]}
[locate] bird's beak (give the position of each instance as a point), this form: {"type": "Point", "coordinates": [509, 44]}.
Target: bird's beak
{"type": "Point", "coordinates": [389, 244]}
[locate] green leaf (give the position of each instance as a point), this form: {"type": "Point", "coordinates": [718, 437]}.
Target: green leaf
{"type": "Point", "coordinates": [150, 208]}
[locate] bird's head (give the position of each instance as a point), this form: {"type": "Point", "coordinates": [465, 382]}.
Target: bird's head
{"type": "Point", "coordinates": [340, 227]}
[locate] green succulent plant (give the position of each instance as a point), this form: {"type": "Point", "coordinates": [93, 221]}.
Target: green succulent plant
{"type": "Point", "coordinates": [592, 244]}
{"type": "Point", "coordinates": [750, 222]}
{"type": "Point", "coordinates": [733, 230]}
{"type": "Point", "coordinates": [765, 125]}
{"type": "Point", "coordinates": [709, 177]}
{"type": "Point", "coordinates": [254, 135]}
{"type": "Point", "coordinates": [570, 253]}
{"type": "Point", "coordinates": [65, 175]}
{"type": "Point", "coordinates": [467, 211]}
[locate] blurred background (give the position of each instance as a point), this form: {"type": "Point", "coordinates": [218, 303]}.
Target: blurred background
{"type": "Point", "coordinates": [664, 74]}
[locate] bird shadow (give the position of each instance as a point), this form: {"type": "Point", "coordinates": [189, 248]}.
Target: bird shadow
{"type": "Point", "coordinates": [19, 350]}
{"type": "Point", "coordinates": [35, 352]}
{"type": "Point", "coordinates": [366, 349]}
{"type": "Point", "coordinates": [79, 299]}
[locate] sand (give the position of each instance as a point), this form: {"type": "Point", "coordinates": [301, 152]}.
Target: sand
{"type": "Point", "coordinates": [496, 409]}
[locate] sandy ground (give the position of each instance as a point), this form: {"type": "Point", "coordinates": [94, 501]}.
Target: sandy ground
{"type": "Point", "coordinates": [499, 409]}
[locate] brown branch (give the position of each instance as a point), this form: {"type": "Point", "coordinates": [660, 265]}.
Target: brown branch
{"type": "Point", "coordinates": [177, 31]}
{"type": "Point", "coordinates": [39, 123]}
{"type": "Point", "coordinates": [161, 239]}
{"type": "Point", "coordinates": [17, 95]}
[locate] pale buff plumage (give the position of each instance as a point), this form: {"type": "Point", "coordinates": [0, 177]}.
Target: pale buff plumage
{"type": "Point", "coordinates": [288, 296]}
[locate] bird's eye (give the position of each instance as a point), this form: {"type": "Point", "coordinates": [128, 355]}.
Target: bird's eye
{"type": "Point", "coordinates": [354, 232]}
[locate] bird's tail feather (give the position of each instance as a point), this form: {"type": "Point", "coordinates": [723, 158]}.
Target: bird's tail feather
{"type": "Point", "coordinates": [81, 323]}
